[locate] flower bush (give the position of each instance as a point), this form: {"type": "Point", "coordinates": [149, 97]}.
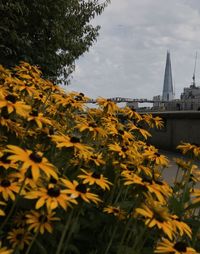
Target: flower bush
{"type": "Point", "coordinates": [75, 179]}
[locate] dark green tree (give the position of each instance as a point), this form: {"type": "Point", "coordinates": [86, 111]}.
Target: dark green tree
{"type": "Point", "coordinates": [49, 33]}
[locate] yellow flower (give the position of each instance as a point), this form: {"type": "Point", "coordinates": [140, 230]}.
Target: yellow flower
{"type": "Point", "coordinates": [80, 190]}
{"type": "Point", "coordinates": [136, 130]}
{"type": "Point", "coordinates": [118, 149]}
{"type": "Point", "coordinates": [10, 102]}
{"type": "Point", "coordinates": [35, 161]}
{"type": "Point", "coordinates": [97, 159]}
{"type": "Point", "coordinates": [156, 158]}
{"type": "Point", "coordinates": [181, 227]}
{"type": "Point", "coordinates": [190, 148]}
{"type": "Point", "coordinates": [19, 237]}
{"type": "Point", "coordinates": [8, 188]}
{"type": "Point", "coordinates": [38, 118]}
{"type": "Point", "coordinates": [70, 142]}
{"type": "Point", "coordinates": [95, 178]}
{"type": "Point", "coordinates": [132, 114]}
{"type": "Point", "coordinates": [116, 211]}
{"type": "Point", "coordinates": [40, 221]}
{"type": "Point", "coordinates": [52, 196]}
{"type": "Point", "coordinates": [157, 215]}
{"type": "Point", "coordinates": [153, 121]}
{"type": "Point", "coordinates": [179, 247]}
{"type": "Point", "coordinates": [108, 105]}
{"type": "Point", "coordinates": [91, 127]}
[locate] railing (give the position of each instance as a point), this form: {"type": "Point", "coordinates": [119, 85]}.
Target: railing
{"type": "Point", "coordinates": [121, 99]}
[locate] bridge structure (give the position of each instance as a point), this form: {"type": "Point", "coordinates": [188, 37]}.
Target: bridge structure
{"type": "Point", "coordinates": [122, 99]}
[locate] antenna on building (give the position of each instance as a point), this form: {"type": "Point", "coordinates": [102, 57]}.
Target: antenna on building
{"type": "Point", "coordinates": [193, 77]}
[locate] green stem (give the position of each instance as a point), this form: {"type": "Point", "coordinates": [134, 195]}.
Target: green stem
{"type": "Point", "coordinates": [71, 230]}
{"type": "Point", "coordinates": [31, 244]}
{"type": "Point", "coordinates": [111, 239]}
{"type": "Point", "coordinates": [124, 235]}
{"type": "Point", "coordinates": [64, 232]}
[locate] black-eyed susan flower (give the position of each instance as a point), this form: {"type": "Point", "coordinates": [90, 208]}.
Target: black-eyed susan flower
{"type": "Point", "coordinates": [108, 105]}
{"type": "Point", "coordinates": [9, 188]}
{"type": "Point", "coordinates": [157, 215]}
{"type": "Point", "coordinates": [70, 142]}
{"type": "Point", "coordinates": [95, 178]}
{"type": "Point", "coordinates": [131, 113]}
{"type": "Point", "coordinates": [97, 159]}
{"type": "Point", "coordinates": [19, 219]}
{"type": "Point", "coordinates": [41, 221]}
{"type": "Point", "coordinates": [76, 189]}
{"type": "Point", "coordinates": [19, 238]}
{"type": "Point", "coordinates": [91, 127]}
{"type": "Point", "coordinates": [10, 101]}
{"type": "Point", "coordinates": [152, 120]}
{"type": "Point", "coordinates": [38, 118]}
{"type": "Point", "coordinates": [116, 211]}
{"type": "Point", "coordinates": [187, 148]}
{"type": "Point", "coordinates": [120, 150]}
{"type": "Point", "coordinates": [181, 227]}
{"type": "Point", "coordinates": [179, 247]}
{"type": "Point", "coordinates": [157, 158]}
{"type": "Point", "coordinates": [35, 161]}
{"type": "Point", "coordinates": [51, 197]}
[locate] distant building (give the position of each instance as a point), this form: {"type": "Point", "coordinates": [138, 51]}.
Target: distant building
{"type": "Point", "coordinates": [168, 94]}
{"type": "Point", "coordinates": [189, 99]}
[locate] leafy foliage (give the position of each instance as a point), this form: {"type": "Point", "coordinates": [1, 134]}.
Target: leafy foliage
{"type": "Point", "coordinates": [51, 34]}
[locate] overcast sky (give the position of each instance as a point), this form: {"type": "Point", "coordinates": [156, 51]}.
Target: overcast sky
{"type": "Point", "coordinates": [128, 59]}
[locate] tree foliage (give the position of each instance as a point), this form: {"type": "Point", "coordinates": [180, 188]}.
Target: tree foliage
{"type": "Point", "coordinates": [48, 33]}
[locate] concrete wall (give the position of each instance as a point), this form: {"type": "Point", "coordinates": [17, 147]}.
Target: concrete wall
{"type": "Point", "coordinates": [178, 126]}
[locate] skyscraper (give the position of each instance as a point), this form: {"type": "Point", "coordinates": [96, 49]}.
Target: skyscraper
{"type": "Point", "coordinates": [167, 94]}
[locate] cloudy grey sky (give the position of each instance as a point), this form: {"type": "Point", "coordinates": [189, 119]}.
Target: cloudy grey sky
{"type": "Point", "coordinates": [128, 59]}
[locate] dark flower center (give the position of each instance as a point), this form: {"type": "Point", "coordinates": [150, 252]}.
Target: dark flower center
{"type": "Point", "coordinates": [79, 97]}
{"type": "Point", "coordinates": [35, 157]}
{"type": "Point", "coordinates": [96, 175]}
{"type": "Point", "coordinates": [74, 140]}
{"type": "Point", "coordinates": [5, 183]}
{"type": "Point", "coordinates": [20, 236]}
{"type": "Point", "coordinates": [94, 157]}
{"type": "Point", "coordinates": [93, 125]}
{"type": "Point", "coordinates": [53, 192]}
{"type": "Point", "coordinates": [124, 149]}
{"type": "Point", "coordinates": [34, 113]}
{"type": "Point", "coordinates": [51, 131]}
{"type": "Point", "coordinates": [5, 159]}
{"type": "Point", "coordinates": [180, 246]}
{"type": "Point", "coordinates": [43, 218]}
{"type": "Point", "coordinates": [41, 95]}
{"type": "Point", "coordinates": [158, 217]}
{"type": "Point", "coordinates": [4, 113]}
{"type": "Point", "coordinates": [11, 98]}
{"type": "Point", "coordinates": [115, 210]}
{"type": "Point", "coordinates": [121, 132]}
{"type": "Point", "coordinates": [81, 188]}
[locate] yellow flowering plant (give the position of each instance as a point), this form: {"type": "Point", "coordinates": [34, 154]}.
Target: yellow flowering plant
{"type": "Point", "coordinates": [76, 179]}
